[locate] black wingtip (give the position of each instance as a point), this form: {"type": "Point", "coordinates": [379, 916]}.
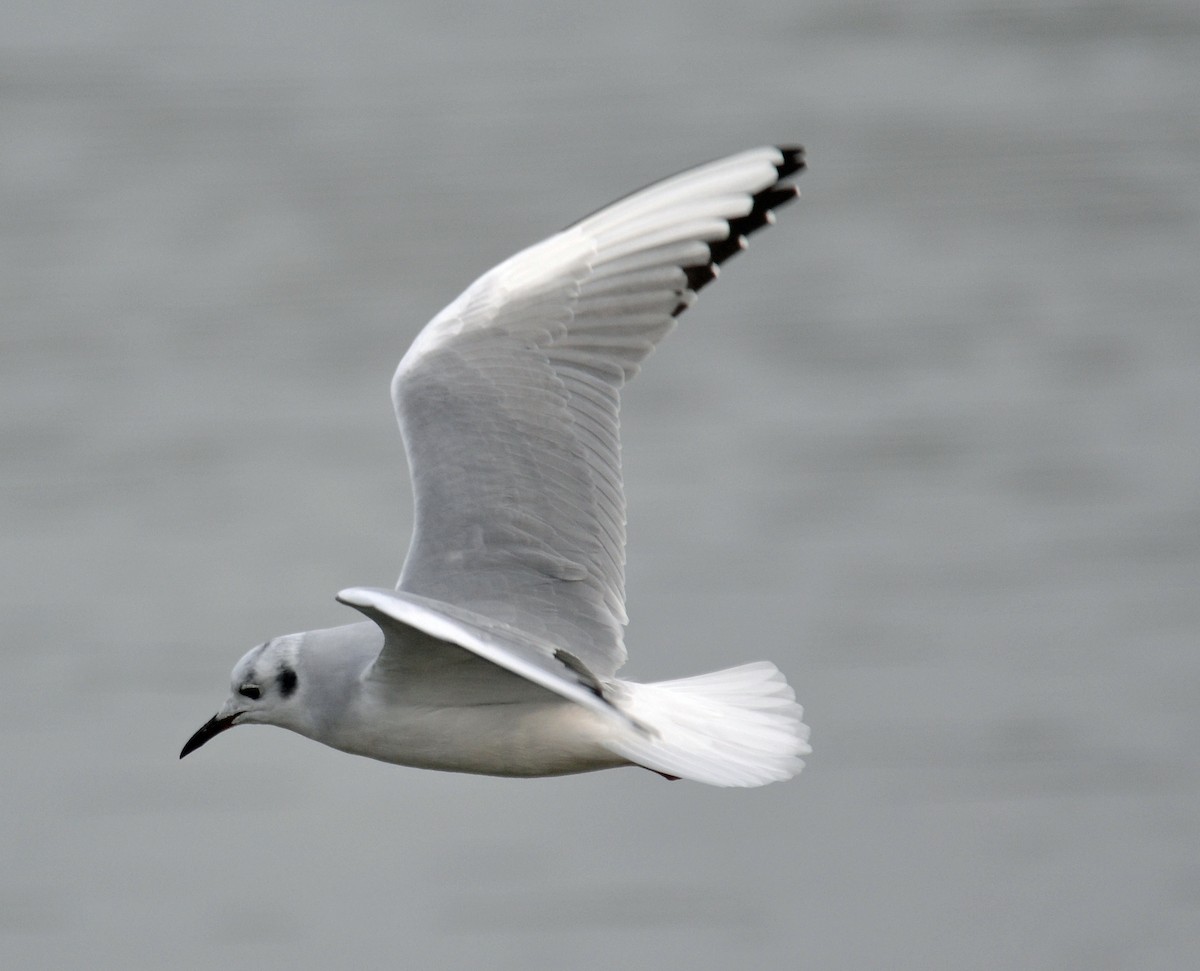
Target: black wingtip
{"type": "Point", "coordinates": [779, 193]}
{"type": "Point", "coordinates": [793, 160]}
{"type": "Point", "coordinates": [700, 276]}
{"type": "Point", "coordinates": [760, 213]}
{"type": "Point", "coordinates": [765, 202]}
{"type": "Point", "coordinates": [722, 249]}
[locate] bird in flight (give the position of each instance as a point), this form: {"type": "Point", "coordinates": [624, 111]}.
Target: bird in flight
{"type": "Point", "coordinates": [498, 649]}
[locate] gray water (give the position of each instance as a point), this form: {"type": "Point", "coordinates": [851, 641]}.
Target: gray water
{"type": "Point", "coordinates": [933, 446]}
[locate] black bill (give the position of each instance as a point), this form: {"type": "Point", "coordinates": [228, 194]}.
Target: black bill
{"type": "Point", "coordinates": [210, 729]}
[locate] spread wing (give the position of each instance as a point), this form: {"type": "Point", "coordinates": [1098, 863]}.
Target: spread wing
{"type": "Point", "coordinates": [508, 403]}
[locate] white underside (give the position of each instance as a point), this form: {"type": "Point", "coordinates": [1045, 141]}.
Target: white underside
{"type": "Point", "coordinates": [737, 727]}
{"type": "Point", "coordinates": [554, 737]}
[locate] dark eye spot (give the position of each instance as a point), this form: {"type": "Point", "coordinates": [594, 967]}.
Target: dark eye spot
{"type": "Point", "coordinates": [286, 680]}
{"type": "Point", "coordinates": [251, 691]}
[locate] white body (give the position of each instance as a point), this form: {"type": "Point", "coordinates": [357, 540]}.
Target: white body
{"type": "Point", "coordinates": [459, 714]}
{"type": "Point", "coordinates": [447, 708]}
{"type": "Point", "coordinates": [551, 737]}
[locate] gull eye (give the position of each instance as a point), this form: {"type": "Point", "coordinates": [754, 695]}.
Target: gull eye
{"type": "Point", "coordinates": [251, 691]}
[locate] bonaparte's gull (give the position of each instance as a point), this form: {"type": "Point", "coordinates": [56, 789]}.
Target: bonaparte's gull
{"type": "Point", "coordinates": [496, 652]}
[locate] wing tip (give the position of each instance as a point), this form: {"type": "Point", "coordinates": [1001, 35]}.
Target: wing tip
{"type": "Point", "coordinates": [762, 213]}
{"type": "Point", "coordinates": [793, 160]}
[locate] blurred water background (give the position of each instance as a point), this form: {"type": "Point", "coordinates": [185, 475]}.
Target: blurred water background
{"type": "Point", "coordinates": [933, 446]}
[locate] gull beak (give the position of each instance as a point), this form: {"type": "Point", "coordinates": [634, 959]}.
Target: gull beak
{"type": "Point", "coordinates": [210, 729]}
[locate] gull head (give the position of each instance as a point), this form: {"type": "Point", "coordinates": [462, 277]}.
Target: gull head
{"type": "Point", "coordinates": [265, 690]}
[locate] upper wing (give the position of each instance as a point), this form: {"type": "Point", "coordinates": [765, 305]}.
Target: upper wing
{"type": "Point", "coordinates": [508, 402]}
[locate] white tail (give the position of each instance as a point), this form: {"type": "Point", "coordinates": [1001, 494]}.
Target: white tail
{"type": "Point", "coordinates": [737, 727]}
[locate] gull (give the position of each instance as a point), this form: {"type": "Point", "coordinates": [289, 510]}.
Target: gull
{"type": "Point", "coordinates": [496, 652]}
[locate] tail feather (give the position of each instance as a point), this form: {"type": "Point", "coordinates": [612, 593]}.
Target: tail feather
{"type": "Point", "coordinates": [737, 727]}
